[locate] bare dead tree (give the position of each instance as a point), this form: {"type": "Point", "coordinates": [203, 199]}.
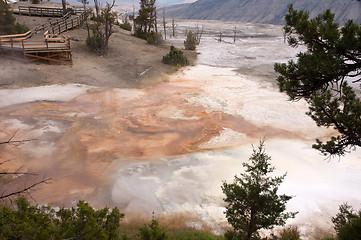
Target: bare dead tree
{"type": "Point", "coordinates": [26, 189]}
{"type": "Point", "coordinates": [84, 2]}
{"type": "Point", "coordinates": [63, 3]}
{"type": "Point", "coordinates": [10, 140]}
{"type": "Point", "coordinates": [6, 84]}
{"type": "Point", "coordinates": [134, 24]}
{"type": "Point", "coordinates": [9, 176]}
{"type": "Point", "coordinates": [199, 33]}
{"type": "Point", "coordinates": [156, 22]}
{"type": "Point", "coordinates": [164, 25]}
{"type": "Point", "coordinates": [101, 29]}
{"type": "Point", "coordinates": [235, 34]}
{"type": "Point", "coordinates": [174, 28]}
{"type": "Point", "coordinates": [97, 9]}
{"type": "Point", "coordinates": [220, 37]}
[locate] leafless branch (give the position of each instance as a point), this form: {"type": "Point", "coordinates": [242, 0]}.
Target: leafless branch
{"type": "Point", "coordinates": [18, 173]}
{"type": "Point", "coordinates": [25, 189]}
{"type": "Point", "coordinates": [6, 84]}
{"type": "Point", "coordinates": [10, 140]}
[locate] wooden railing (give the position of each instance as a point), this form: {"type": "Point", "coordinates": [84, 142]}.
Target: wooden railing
{"type": "Point", "coordinates": [15, 37]}
{"type": "Point", "coordinates": [51, 42]}
{"type": "Point", "coordinates": [40, 11]}
{"type": "Point", "coordinates": [64, 24]}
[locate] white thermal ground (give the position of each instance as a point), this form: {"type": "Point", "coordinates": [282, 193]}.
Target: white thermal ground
{"type": "Point", "coordinates": [192, 183]}
{"type": "Point", "coordinates": [61, 93]}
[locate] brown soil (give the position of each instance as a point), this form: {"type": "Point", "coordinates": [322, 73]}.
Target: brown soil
{"type": "Point", "coordinates": [122, 67]}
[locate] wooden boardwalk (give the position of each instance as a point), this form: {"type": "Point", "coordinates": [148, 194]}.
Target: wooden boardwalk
{"type": "Point", "coordinates": [66, 23]}
{"type": "Point", "coordinates": [52, 47]}
{"type": "Point", "coordinates": [43, 11]}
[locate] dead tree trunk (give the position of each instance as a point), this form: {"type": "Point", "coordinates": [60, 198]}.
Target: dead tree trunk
{"type": "Point", "coordinates": [220, 37]}
{"type": "Point", "coordinates": [199, 33]}
{"type": "Point", "coordinates": [63, 3]}
{"type": "Point", "coordinates": [235, 34]}
{"type": "Point", "coordinates": [156, 23]}
{"type": "Point", "coordinates": [174, 26]}
{"type": "Point", "coordinates": [164, 25]}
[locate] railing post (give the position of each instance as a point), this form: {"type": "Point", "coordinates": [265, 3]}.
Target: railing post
{"type": "Point", "coordinates": [12, 46]}
{"type": "Point", "coordinates": [22, 42]}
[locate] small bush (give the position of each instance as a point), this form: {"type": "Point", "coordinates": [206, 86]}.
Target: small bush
{"type": "Point", "coordinates": [190, 42]}
{"type": "Point", "coordinates": [175, 57]}
{"type": "Point", "coordinates": [139, 33]}
{"type": "Point", "coordinates": [93, 17]}
{"type": "Point", "coordinates": [71, 10]}
{"type": "Point", "coordinates": [159, 39]}
{"type": "Point", "coordinates": [20, 28]}
{"type": "Point", "coordinates": [290, 233]}
{"type": "Point", "coordinates": [93, 43]}
{"type": "Point", "coordinates": [126, 26]}
{"type": "Point", "coordinates": [151, 37]}
{"type": "Point", "coordinates": [192, 234]}
{"type": "Point", "coordinates": [152, 232]}
{"type": "Point", "coordinates": [35, 1]}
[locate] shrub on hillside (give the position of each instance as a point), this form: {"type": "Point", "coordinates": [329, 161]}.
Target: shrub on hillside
{"type": "Point", "coordinates": [347, 223]}
{"type": "Point", "coordinates": [151, 37]}
{"type": "Point", "coordinates": [175, 57]}
{"type": "Point", "coordinates": [190, 42]}
{"type": "Point", "coordinates": [93, 43]}
{"type": "Point", "coordinates": [7, 21]}
{"type": "Point", "coordinates": [289, 233]}
{"type": "Point", "coordinates": [126, 26]}
{"type": "Point", "coordinates": [152, 231]}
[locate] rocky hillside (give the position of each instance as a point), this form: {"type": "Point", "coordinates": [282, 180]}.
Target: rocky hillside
{"type": "Point", "coordinates": [263, 11]}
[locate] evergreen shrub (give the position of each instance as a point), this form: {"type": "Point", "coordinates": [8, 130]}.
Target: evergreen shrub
{"type": "Point", "coordinates": [7, 21]}
{"type": "Point", "coordinates": [126, 26]}
{"type": "Point", "coordinates": [190, 42]}
{"type": "Point", "coordinates": [175, 57]}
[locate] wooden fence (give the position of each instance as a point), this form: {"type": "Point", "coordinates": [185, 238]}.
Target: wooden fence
{"type": "Point", "coordinates": [66, 23]}
{"type": "Point", "coordinates": [40, 11]}
{"type": "Point", "coordinates": [45, 11]}
{"type": "Point", "coordinates": [19, 37]}
{"type": "Point", "coordinates": [54, 48]}
{"type": "Point", "coordinates": [50, 42]}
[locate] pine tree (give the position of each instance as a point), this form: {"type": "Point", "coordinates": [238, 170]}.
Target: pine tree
{"type": "Point", "coordinates": [7, 21]}
{"type": "Point", "coordinates": [190, 42]}
{"type": "Point", "coordinates": [252, 199]}
{"type": "Point", "coordinates": [146, 18]}
{"type": "Point", "coordinates": [322, 74]}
